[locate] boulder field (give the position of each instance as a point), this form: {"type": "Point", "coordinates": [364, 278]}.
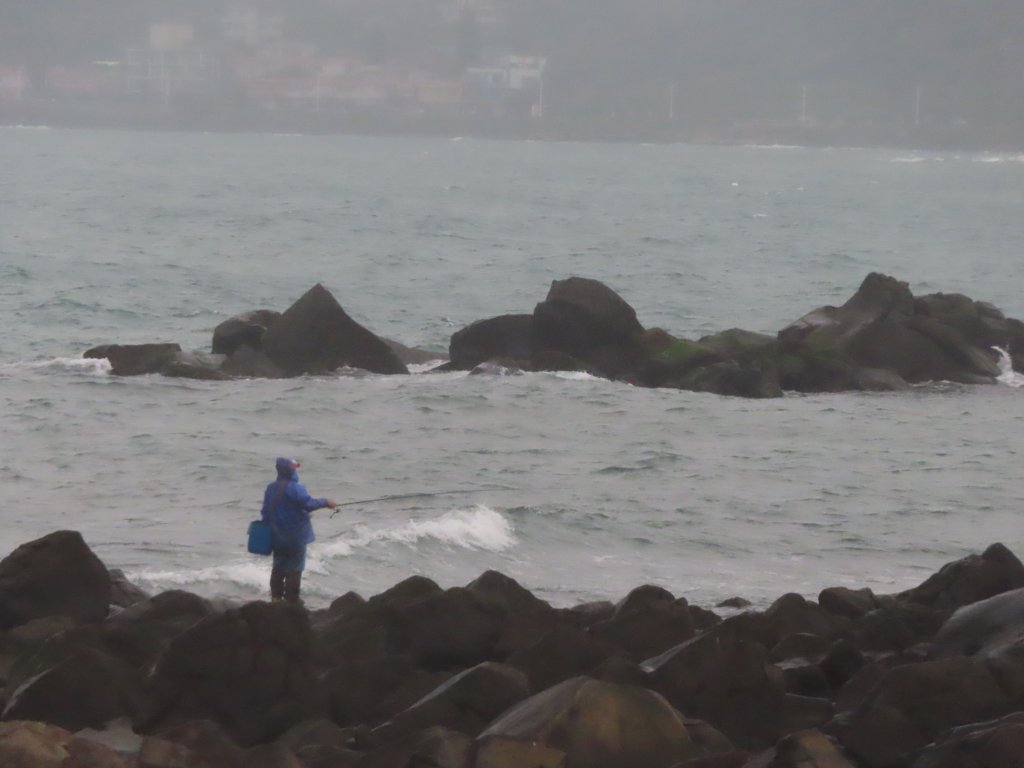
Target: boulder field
{"type": "Point", "coordinates": [882, 338]}
{"type": "Point", "coordinates": [97, 674]}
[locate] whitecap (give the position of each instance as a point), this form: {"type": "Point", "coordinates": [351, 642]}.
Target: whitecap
{"type": "Point", "coordinates": [1007, 375]}
{"type": "Point", "coordinates": [245, 573]}
{"type": "Point", "coordinates": [88, 365]}
{"type": "Point", "coordinates": [478, 528]}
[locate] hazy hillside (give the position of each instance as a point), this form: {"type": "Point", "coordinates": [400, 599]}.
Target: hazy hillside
{"type": "Point", "coordinates": [940, 69]}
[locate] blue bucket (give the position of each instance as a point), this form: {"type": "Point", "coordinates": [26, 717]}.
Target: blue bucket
{"type": "Point", "coordinates": [259, 538]}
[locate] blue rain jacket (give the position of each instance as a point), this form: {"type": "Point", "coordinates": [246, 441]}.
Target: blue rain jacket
{"type": "Point", "coordinates": [287, 510]}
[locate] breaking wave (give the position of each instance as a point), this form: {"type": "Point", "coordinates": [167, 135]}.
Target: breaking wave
{"type": "Point", "coordinates": [478, 528]}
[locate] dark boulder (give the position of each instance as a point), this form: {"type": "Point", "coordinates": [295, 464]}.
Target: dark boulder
{"type": "Point", "coordinates": [316, 336]}
{"type": "Point", "coordinates": [413, 355]}
{"type": "Point", "coordinates": [914, 704]}
{"type": "Point", "coordinates": [123, 592]}
{"type": "Point", "coordinates": [26, 744]}
{"type": "Point", "coordinates": [84, 691]}
{"type": "Point", "coordinates": [880, 327]}
{"type": "Point", "coordinates": [803, 749]}
{"type": "Point", "coordinates": [993, 744]}
{"type": "Point", "coordinates": [246, 669]}
{"type": "Point", "coordinates": [57, 574]}
{"type": "Point", "coordinates": [600, 725]}
{"type": "Point", "coordinates": [136, 359]}
{"type": "Point", "coordinates": [991, 627]}
{"type": "Point", "coordinates": [723, 676]}
{"type": "Point", "coordinates": [245, 329]}
{"type": "Point", "coordinates": [970, 579]}
{"type": "Point", "coordinates": [587, 320]}
{"type": "Point", "coordinates": [457, 628]}
{"type": "Point", "coordinates": [850, 603]}
{"type": "Point", "coordinates": [506, 336]}
{"type": "Point", "coordinates": [563, 652]}
{"type": "Point", "coordinates": [435, 747]}
{"type": "Point", "coordinates": [503, 752]}
{"type": "Point", "coordinates": [646, 627]}
{"type": "Point", "coordinates": [467, 702]}
{"type": "Point", "coordinates": [509, 593]}
{"type": "Point", "coordinates": [372, 690]}
{"type": "Point", "coordinates": [793, 614]}
{"type": "Point", "coordinates": [370, 629]}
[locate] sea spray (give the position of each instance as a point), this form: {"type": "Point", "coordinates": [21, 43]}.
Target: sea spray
{"type": "Point", "coordinates": [1007, 375]}
{"type": "Point", "coordinates": [477, 528]}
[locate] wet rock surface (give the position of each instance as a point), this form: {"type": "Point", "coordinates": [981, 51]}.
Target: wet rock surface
{"type": "Point", "coordinates": [490, 676]}
{"type": "Point", "coordinates": [882, 339]}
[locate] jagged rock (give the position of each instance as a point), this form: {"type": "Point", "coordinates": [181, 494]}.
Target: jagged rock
{"type": "Point", "coordinates": [315, 732]}
{"type": "Point", "coordinates": [434, 747]}
{"type": "Point", "coordinates": [316, 336]}
{"type": "Point", "coordinates": [464, 703]}
{"type": "Point", "coordinates": [502, 752]}
{"type": "Point", "coordinates": [804, 749]}
{"type": "Point", "coordinates": [841, 663]}
{"type": "Point", "coordinates": [896, 626]}
{"type": "Point", "coordinates": [736, 758]}
{"type": "Point", "coordinates": [585, 319]}
{"type": "Point", "coordinates": [247, 362]}
{"type": "Point", "coordinates": [122, 592]}
{"type": "Point", "coordinates": [173, 606]}
{"type": "Point", "coordinates": [247, 669]}
{"type": "Point", "coordinates": [57, 574]}
{"type": "Point", "coordinates": [970, 579]}
{"type": "Point", "coordinates": [601, 725]}
{"type": "Point", "coordinates": [455, 628]}
{"type": "Point", "coordinates": [413, 355]}
{"type": "Point", "coordinates": [802, 645]}
{"type": "Point", "coordinates": [586, 614]}
{"type": "Point", "coordinates": [723, 676]}
{"type": "Point", "coordinates": [645, 627]}
{"type": "Point", "coordinates": [915, 703]}
{"type": "Point", "coordinates": [245, 329]}
{"type": "Point", "coordinates": [793, 614]}
{"type": "Point", "coordinates": [880, 327]}
{"type": "Point", "coordinates": [994, 744]}
{"type": "Point", "coordinates": [135, 359]}
{"type": "Point", "coordinates": [83, 691]}
{"type": "Point", "coordinates": [372, 690]}
{"type": "Point", "coordinates": [986, 628]}
{"type": "Point", "coordinates": [505, 336]}
{"type": "Point", "coordinates": [508, 592]}
{"type": "Point", "coordinates": [37, 745]}
{"type": "Point", "coordinates": [851, 603]}
{"type": "Point", "coordinates": [370, 630]}
{"type": "Point", "coordinates": [563, 652]}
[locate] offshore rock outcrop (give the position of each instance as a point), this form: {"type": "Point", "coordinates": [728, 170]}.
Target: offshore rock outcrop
{"type": "Point", "coordinates": [882, 338]}
{"type": "Point", "coordinates": [489, 676]}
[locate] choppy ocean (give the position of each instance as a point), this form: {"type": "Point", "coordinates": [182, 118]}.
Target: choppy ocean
{"type": "Point", "coordinates": [577, 487]}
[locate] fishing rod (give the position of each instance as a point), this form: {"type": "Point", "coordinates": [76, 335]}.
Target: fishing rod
{"type": "Point", "coordinates": [400, 496]}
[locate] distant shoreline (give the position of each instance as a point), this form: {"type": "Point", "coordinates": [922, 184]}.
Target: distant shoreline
{"type": "Point", "coordinates": [249, 120]}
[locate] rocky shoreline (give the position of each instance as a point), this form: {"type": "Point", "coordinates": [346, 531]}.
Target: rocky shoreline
{"type": "Point", "coordinates": [98, 674]}
{"type": "Point", "coordinates": [882, 339]}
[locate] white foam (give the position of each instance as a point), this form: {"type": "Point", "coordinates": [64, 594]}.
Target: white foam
{"type": "Point", "coordinates": [246, 573]}
{"type": "Point", "coordinates": [1007, 375]}
{"type": "Point", "coordinates": [87, 365]}
{"type": "Point", "coordinates": [576, 376]}
{"type": "Point", "coordinates": [478, 528]}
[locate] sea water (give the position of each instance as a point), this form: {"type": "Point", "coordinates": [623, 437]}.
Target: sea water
{"type": "Point", "coordinates": [579, 488]}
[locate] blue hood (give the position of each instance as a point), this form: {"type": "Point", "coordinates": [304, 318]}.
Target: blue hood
{"type": "Point", "coordinates": [286, 467]}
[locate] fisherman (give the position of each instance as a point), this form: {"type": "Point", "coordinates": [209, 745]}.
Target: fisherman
{"type": "Point", "coordinates": [287, 506]}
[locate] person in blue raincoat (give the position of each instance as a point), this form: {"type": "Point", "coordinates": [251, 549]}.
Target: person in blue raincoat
{"type": "Point", "coordinates": [287, 506]}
